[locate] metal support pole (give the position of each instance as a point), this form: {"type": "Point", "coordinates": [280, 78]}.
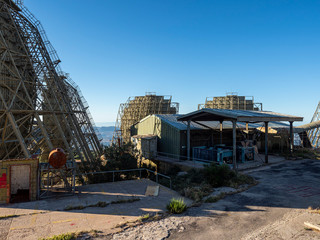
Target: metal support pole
{"type": "Point", "coordinates": [266, 160]}
{"type": "Point", "coordinates": [188, 140]}
{"type": "Point", "coordinates": [112, 176]}
{"type": "Point", "coordinates": [234, 152]}
{"type": "Point", "coordinates": [221, 127]}
{"type": "Point", "coordinates": [291, 137]}
{"type": "Point", "coordinates": [73, 177]}
{"type": "Point", "coordinates": [48, 179]}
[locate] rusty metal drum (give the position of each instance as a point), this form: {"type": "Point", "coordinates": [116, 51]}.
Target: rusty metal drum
{"type": "Point", "coordinates": [57, 158]}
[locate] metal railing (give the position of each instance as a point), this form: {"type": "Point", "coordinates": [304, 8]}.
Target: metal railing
{"type": "Point", "coordinates": [181, 158]}
{"type": "Point", "coordinates": [131, 170]}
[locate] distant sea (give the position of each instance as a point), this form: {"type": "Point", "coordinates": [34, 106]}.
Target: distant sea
{"type": "Point", "coordinates": [104, 124]}
{"type": "Point", "coordinates": [106, 133]}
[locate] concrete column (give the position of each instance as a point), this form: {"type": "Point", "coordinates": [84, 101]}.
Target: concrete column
{"type": "Point", "coordinates": [291, 137]}
{"type": "Point", "coordinates": [188, 140]}
{"type": "Point", "coordinates": [266, 160]}
{"type": "Point", "coordinates": [234, 152]}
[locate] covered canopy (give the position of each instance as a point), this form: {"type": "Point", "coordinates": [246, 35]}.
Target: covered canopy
{"type": "Point", "coordinates": [208, 114]}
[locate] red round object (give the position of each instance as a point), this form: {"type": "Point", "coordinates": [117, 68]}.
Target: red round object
{"type": "Point", "coordinates": [57, 158]}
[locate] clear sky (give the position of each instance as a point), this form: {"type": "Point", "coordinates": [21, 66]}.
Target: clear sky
{"type": "Point", "coordinates": [268, 49]}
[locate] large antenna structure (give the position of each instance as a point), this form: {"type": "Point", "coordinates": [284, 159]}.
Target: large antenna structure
{"type": "Point", "coordinates": [41, 108]}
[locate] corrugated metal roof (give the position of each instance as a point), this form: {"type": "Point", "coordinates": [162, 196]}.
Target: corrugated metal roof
{"type": "Point", "coordinates": [208, 114]}
{"type": "Point", "coordinates": [172, 119]}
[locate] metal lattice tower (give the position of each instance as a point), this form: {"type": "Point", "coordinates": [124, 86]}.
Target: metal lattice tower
{"type": "Point", "coordinates": [232, 101]}
{"type": "Point", "coordinates": [137, 108]}
{"type": "Point", "coordinates": [314, 134]}
{"type": "Point", "coordinates": [41, 108]}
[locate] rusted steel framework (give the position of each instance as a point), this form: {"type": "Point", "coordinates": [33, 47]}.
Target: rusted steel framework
{"type": "Point", "coordinates": [41, 108]}
{"type": "Point", "coordinates": [314, 134]}
{"type": "Point", "coordinates": [232, 101]}
{"type": "Point", "coordinates": [137, 108]}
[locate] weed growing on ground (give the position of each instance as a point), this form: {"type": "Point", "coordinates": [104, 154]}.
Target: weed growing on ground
{"type": "Point", "coordinates": [74, 236]}
{"type": "Point", "coordinates": [130, 200]}
{"type": "Point", "coordinates": [144, 217]}
{"type": "Point", "coordinates": [176, 206]}
{"type": "Point", "coordinates": [214, 199]}
{"type": "Point", "coordinates": [65, 236]}
{"type": "Point", "coordinates": [8, 216]}
{"type": "Point", "coordinates": [70, 207]}
{"type": "Point", "coordinates": [198, 183]}
{"type": "Point", "coordinates": [197, 193]}
{"type": "Point", "coordinates": [314, 210]}
{"type": "Point", "coordinates": [156, 217]}
{"type": "Point", "coordinates": [241, 179]}
{"type": "Point", "coordinates": [304, 153]}
{"type": "Point", "coordinates": [99, 204]}
{"type": "Point", "coordinates": [87, 234]}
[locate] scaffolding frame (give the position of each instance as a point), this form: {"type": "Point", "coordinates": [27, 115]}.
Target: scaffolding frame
{"type": "Point", "coordinates": [41, 108]}
{"type": "Point", "coordinates": [314, 134]}
{"type": "Point", "coordinates": [137, 108]}
{"type": "Point", "coordinates": [232, 101]}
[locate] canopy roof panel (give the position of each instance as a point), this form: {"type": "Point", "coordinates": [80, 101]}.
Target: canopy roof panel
{"type": "Point", "coordinates": [208, 114]}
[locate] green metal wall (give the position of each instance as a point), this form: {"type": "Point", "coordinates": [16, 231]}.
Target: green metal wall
{"type": "Point", "coordinates": [168, 136]}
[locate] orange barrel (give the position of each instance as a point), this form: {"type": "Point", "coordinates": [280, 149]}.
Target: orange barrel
{"type": "Point", "coordinates": [57, 158]}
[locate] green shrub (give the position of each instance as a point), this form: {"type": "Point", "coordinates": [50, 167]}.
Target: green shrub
{"type": "Point", "coordinates": [218, 175]}
{"type": "Point", "coordinates": [176, 206]}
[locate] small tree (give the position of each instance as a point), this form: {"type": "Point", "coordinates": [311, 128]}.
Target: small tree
{"type": "Point", "coordinates": [120, 157]}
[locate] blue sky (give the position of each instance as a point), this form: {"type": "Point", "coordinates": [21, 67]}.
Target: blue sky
{"type": "Point", "coordinates": [188, 49]}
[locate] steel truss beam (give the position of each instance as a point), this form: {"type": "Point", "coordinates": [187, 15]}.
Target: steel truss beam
{"type": "Point", "coordinates": [314, 134]}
